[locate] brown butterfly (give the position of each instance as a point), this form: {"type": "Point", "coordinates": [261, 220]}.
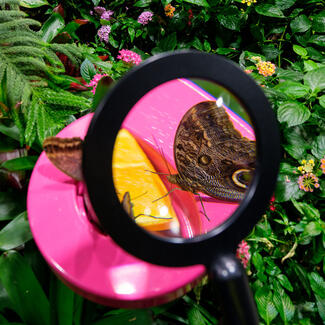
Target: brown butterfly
{"type": "Point", "coordinates": [211, 156]}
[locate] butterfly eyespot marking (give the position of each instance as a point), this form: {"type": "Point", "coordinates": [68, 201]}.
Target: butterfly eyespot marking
{"type": "Point", "coordinates": [204, 160]}
{"type": "Point", "coordinates": [236, 177]}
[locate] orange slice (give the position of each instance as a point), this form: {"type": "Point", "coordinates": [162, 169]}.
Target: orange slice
{"type": "Point", "coordinates": [129, 174]}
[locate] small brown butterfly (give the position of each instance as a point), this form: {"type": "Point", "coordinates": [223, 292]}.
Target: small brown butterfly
{"type": "Point", "coordinates": [66, 155]}
{"type": "Point", "coordinates": [211, 156]}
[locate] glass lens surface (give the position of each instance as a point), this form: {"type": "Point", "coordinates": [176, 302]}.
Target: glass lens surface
{"type": "Point", "coordinates": [184, 158]}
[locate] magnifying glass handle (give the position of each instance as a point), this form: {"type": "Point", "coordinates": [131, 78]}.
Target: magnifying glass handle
{"type": "Point", "coordinates": [232, 289]}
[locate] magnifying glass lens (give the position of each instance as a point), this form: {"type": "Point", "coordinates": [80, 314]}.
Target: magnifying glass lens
{"type": "Point", "coordinates": [184, 158]}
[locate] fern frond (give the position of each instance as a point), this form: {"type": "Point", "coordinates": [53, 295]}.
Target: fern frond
{"type": "Point", "coordinates": [15, 85]}
{"type": "Point", "coordinates": [70, 50]}
{"type": "Point", "coordinates": [30, 64]}
{"type": "Point", "coordinates": [53, 59]}
{"type": "Point", "coordinates": [22, 49]}
{"type": "Point", "coordinates": [14, 4]}
{"type": "Point", "coordinates": [3, 67]}
{"type": "Point", "coordinates": [25, 97]}
{"type": "Point", "coordinates": [8, 15]}
{"type": "Point", "coordinates": [63, 99]}
{"type": "Point", "coordinates": [21, 36]}
{"type": "Point", "coordinates": [15, 24]}
{"type": "Point", "coordinates": [10, 2]}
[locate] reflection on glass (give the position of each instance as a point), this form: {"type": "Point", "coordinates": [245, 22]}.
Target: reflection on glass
{"type": "Point", "coordinates": [183, 159]}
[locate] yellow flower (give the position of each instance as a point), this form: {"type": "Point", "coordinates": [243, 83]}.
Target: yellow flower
{"type": "Point", "coordinates": [169, 10]}
{"type": "Point", "coordinates": [307, 167]}
{"type": "Point", "coordinates": [248, 2]}
{"type": "Point", "coordinates": [265, 68]}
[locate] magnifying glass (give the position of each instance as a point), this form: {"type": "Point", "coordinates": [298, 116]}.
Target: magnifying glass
{"type": "Point", "coordinates": [180, 161]}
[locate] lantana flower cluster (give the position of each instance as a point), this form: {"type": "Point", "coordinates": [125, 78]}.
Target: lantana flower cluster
{"type": "Point", "coordinates": [169, 10]}
{"type": "Point", "coordinates": [129, 57]}
{"type": "Point", "coordinates": [248, 2]}
{"type": "Point", "coordinates": [322, 165]}
{"type": "Point", "coordinates": [145, 17]}
{"type": "Point", "coordinates": [307, 181]}
{"type": "Point", "coordinates": [242, 253]}
{"type": "Point", "coordinates": [265, 68]}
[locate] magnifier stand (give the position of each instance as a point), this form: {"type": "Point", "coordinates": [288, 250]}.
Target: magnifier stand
{"type": "Point", "coordinates": [232, 290]}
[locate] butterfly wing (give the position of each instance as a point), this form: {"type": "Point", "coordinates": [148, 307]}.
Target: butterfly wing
{"type": "Point", "coordinates": [65, 154]}
{"type": "Point", "coordinates": [208, 151]}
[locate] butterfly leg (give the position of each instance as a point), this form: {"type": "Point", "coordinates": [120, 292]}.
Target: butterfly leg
{"type": "Point", "coordinates": [204, 212]}
{"type": "Point", "coordinates": [149, 215]}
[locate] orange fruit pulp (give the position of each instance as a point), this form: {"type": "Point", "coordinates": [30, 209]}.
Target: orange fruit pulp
{"type": "Point", "coordinates": [131, 174]}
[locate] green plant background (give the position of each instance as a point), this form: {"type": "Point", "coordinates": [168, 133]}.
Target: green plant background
{"type": "Point", "coordinates": [45, 49]}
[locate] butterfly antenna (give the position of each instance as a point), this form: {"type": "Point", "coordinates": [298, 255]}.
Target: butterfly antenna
{"type": "Point", "coordinates": [157, 173]}
{"type": "Point", "coordinates": [203, 206]}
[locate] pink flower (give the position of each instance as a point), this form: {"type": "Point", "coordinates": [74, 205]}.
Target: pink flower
{"type": "Point", "coordinates": [99, 10]}
{"type": "Point", "coordinates": [307, 181]}
{"type": "Point", "coordinates": [129, 57]}
{"type": "Point", "coordinates": [242, 253]}
{"type": "Point", "coordinates": [145, 17]}
{"type": "Point", "coordinates": [93, 83]}
{"type": "Point", "coordinates": [322, 166]}
{"type": "Point", "coordinates": [103, 33]}
{"type": "Point", "coordinates": [107, 15]}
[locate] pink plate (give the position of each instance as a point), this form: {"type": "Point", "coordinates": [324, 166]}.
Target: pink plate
{"type": "Point", "coordinates": [86, 260]}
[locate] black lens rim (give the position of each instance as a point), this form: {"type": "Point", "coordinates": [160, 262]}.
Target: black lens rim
{"type": "Point", "coordinates": [98, 151]}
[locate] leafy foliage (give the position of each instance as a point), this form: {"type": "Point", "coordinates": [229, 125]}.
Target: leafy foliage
{"type": "Point", "coordinates": [31, 77]}
{"type": "Point", "coordinates": [286, 270]}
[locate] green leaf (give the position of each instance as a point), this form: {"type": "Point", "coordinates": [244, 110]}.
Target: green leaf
{"type": "Point", "coordinates": [300, 50]}
{"type": "Point", "coordinates": [287, 188]}
{"type": "Point", "coordinates": [265, 305]}
{"type": "Point", "coordinates": [312, 229]}
{"type": "Point", "coordinates": [310, 65]}
{"type": "Point", "coordinates": [168, 43]}
{"type": "Point", "coordinates": [61, 302]}
{"type": "Point", "coordinates": [306, 209]}
{"type": "Point", "coordinates": [23, 289]}
{"type": "Point", "coordinates": [202, 3]}
{"type": "Point", "coordinates": [11, 204]}
{"type": "Point", "coordinates": [22, 163]}
{"type": "Point", "coordinates": [315, 79]}
{"type": "Point", "coordinates": [322, 101]}
{"type": "Point", "coordinates": [284, 4]}
{"type": "Point", "coordinates": [284, 281]}
{"type": "Point", "coordinates": [15, 233]}
{"type": "Point", "coordinates": [283, 303]}
{"type": "Point", "coordinates": [230, 18]}
{"type": "Point", "coordinates": [33, 3]}
{"type": "Point", "coordinates": [317, 39]}
{"type": "Point", "coordinates": [317, 284]}
{"type": "Point", "coordinates": [102, 89]}
{"type": "Point", "coordinates": [319, 22]}
{"type": "Point", "coordinates": [51, 27]}
{"type": "Point", "coordinates": [131, 32]}
{"type": "Point", "coordinates": [318, 146]}
{"type": "Point", "coordinates": [293, 89]}
{"type": "Point", "coordinates": [195, 317]}
{"type": "Point", "coordinates": [132, 317]}
{"type": "Point", "coordinates": [10, 131]}
{"type": "Point", "coordinates": [300, 24]}
{"type": "Point", "coordinates": [142, 3]}
{"type": "Point", "coordinates": [302, 276]}
{"type": "Point", "coordinates": [286, 168]}
{"type": "Point", "coordinates": [87, 70]}
{"type": "Point", "coordinates": [293, 112]}
{"type": "Point", "coordinates": [269, 10]}
{"type": "Point", "coordinates": [320, 302]}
